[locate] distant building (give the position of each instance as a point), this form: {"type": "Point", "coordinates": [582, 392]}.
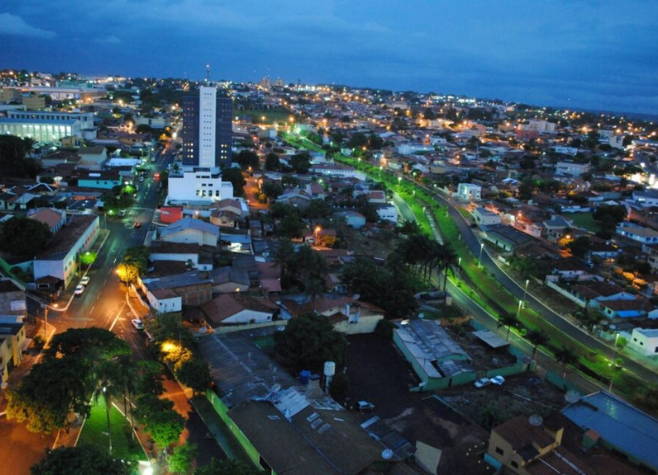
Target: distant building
{"type": "Point", "coordinates": [207, 131]}
{"type": "Point", "coordinates": [469, 192]}
{"type": "Point", "coordinates": [644, 341]}
{"type": "Point", "coordinates": [482, 216]}
{"type": "Point", "coordinates": [571, 169]}
{"type": "Point", "coordinates": [34, 102]}
{"type": "Point", "coordinates": [190, 230]}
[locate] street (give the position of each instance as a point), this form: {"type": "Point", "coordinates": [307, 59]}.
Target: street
{"type": "Point", "coordinates": [103, 304]}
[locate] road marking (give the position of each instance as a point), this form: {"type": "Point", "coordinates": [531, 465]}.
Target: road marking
{"type": "Point", "coordinates": [115, 260]}
{"type": "Point", "coordinates": [116, 319]}
{"type": "Point", "coordinates": [92, 308]}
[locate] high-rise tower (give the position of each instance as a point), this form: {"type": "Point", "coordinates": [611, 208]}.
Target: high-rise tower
{"type": "Point", "coordinates": [207, 132]}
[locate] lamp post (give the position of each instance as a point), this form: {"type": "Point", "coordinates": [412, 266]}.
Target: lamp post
{"type": "Point", "coordinates": [459, 266]}
{"type": "Point", "coordinates": [522, 301]}
{"type": "Point", "coordinates": [480, 258]}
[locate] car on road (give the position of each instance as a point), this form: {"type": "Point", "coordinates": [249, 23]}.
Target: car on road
{"type": "Point", "coordinates": [137, 224]}
{"type": "Point", "coordinates": [482, 382]}
{"type": "Point", "coordinates": [137, 323]}
{"type": "Point", "coordinates": [365, 406]}
{"type": "Point", "coordinates": [85, 280]}
{"type": "Point", "coordinates": [79, 289]}
{"type": "Point", "coordinates": [497, 380]}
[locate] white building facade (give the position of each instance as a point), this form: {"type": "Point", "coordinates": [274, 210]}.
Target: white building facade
{"type": "Point", "coordinates": [198, 185]}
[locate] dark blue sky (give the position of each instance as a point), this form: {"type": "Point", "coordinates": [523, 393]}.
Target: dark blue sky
{"type": "Point", "coordinates": [594, 54]}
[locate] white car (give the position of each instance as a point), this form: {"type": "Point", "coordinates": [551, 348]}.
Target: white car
{"type": "Point", "coordinates": [482, 382]}
{"type": "Point", "coordinates": [79, 289]}
{"type": "Point", "coordinates": [498, 380]}
{"type": "Point", "coordinates": [84, 280]}
{"type": "Point", "coordinates": [365, 406]}
{"type": "Point", "coordinates": [137, 323]}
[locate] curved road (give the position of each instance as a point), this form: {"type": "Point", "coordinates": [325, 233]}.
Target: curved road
{"type": "Point", "coordinates": [543, 310]}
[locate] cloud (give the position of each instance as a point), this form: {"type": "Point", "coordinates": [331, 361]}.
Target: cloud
{"type": "Point", "coordinates": [109, 40]}
{"type": "Point", "coordinates": [15, 26]}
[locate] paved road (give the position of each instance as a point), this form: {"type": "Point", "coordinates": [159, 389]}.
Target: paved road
{"type": "Point", "coordinates": [555, 319]}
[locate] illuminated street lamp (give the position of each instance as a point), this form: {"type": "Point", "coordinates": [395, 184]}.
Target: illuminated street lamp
{"type": "Point", "coordinates": [480, 258]}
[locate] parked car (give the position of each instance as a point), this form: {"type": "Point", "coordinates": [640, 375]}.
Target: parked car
{"type": "Point", "coordinates": [137, 323]}
{"type": "Point", "coordinates": [365, 406]}
{"type": "Point", "coordinates": [79, 289]}
{"type": "Point", "coordinates": [85, 280]}
{"type": "Point", "coordinates": [137, 224]}
{"type": "Point", "coordinates": [498, 380]}
{"type": "Point", "coordinates": [482, 382]}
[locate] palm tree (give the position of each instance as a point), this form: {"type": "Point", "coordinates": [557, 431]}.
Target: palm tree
{"type": "Point", "coordinates": [449, 260]}
{"type": "Point", "coordinates": [507, 320]}
{"type": "Point", "coordinates": [565, 356]}
{"type": "Point", "coordinates": [284, 258]}
{"type": "Point", "coordinates": [537, 338]}
{"type": "Point", "coordinates": [128, 382]}
{"type": "Point", "coordinates": [108, 373]}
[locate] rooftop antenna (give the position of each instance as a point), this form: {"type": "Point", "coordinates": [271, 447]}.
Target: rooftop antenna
{"type": "Point", "coordinates": [207, 74]}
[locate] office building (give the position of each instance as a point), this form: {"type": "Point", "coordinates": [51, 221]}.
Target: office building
{"type": "Point", "coordinates": [207, 132]}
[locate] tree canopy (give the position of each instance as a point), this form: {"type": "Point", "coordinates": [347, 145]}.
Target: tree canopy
{"type": "Point", "coordinates": [22, 236]}
{"type": "Point", "coordinates": [234, 175]}
{"type": "Point", "coordinates": [87, 459]}
{"type": "Point", "coordinates": [308, 341]}
{"type": "Point", "coordinates": [226, 467]}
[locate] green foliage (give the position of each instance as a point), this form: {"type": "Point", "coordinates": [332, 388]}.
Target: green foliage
{"type": "Point", "coordinates": [181, 460]}
{"type": "Point", "coordinates": [234, 175]}
{"type": "Point", "coordinates": [14, 159]}
{"type": "Point", "coordinates": [246, 159]}
{"type": "Point", "coordinates": [301, 163]}
{"type": "Point", "coordinates": [164, 427]}
{"type": "Point", "coordinates": [226, 467]}
{"type": "Point", "coordinates": [137, 257]}
{"type": "Point", "coordinates": [88, 258]}
{"type": "Point", "coordinates": [194, 373]}
{"type": "Point", "coordinates": [86, 459]}
{"type": "Point", "coordinates": [21, 236]}
{"type": "Point", "coordinates": [308, 341]}
{"type": "Point", "coordinates": [272, 162]}
{"type": "Point", "coordinates": [385, 329]}
{"type": "Point", "coordinates": [65, 380]}
{"type": "Point", "coordinates": [580, 246]}
{"type": "Point", "coordinates": [272, 189]}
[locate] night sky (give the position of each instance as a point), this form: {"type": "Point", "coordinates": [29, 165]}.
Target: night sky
{"type": "Point", "coordinates": [594, 54]}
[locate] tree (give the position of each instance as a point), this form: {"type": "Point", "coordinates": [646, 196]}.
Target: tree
{"type": "Point", "coordinates": [565, 356]}
{"type": "Point", "coordinates": [138, 257]}
{"type": "Point", "coordinates": [284, 257]}
{"type": "Point", "coordinates": [194, 373]}
{"type": "Point", "coordinates": [22, 236]}
{"type": "Point", "coordinates": [507, 320]}
{"type": "Point", "coordinates": [537, 338]}
{"type": "Point", "coordinates": [272, 162]}
{"type": "Point", "coordinates": [234, 175]}
{"type": "Point", "coordinates": [226, 467]}
{"type": "Point", "coordinates": [308, 341]}
{"type": "Point", "coordinates": [181, 460]}
{"type": "Point", "coordinates": [247, 158]}
{"type": "Point", "coordinates": [580, 246]}
{"type": "Point", "coordinates": [165, 427]}
{"type": "Point", "coordinates": [301, 162]}
{"type": "Point", "coordinates": [14, 153]}
{"type": "Point", "coordinates": [87, 459]}
{"type": "Point", "coordinates": [291, 226]}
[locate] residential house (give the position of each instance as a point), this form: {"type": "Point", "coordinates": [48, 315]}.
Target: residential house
{"type": "Point", "coordinates": [192, 254]}
{"type": "Point", "coordinates": [12, 298]}
{"type": "Point", "coordinates": [506, 237]}
{"type": "Point", "coordinates": [190, 230]}
{"type": "Point", "coordinates": [482, 216]}
{"type": "Point", "coordinates": [388, 213]}
{"type": "Point", "coordinates": [230, 279]}
{"type": "Point", "coordinates": [170, 214]}
{"type": "Point", "coordinates": [316, 191]}
{"type": "Point", "coordinates": [237, 308]}
{"type": "Point", "coordinates": [53, 218]}
{"type": "Point", "coordinates": [554, 228]}
{"type": "Point", "coordinates": [104, 180]}
{"type": "Point", "coordinates": [295, 197]}
{"type": "Point", "coordinates": [644, 341]}
{"type": "Point", "coordinates": [234, 205]}
{"type": "Point", "coordinates": [353, 219]}
{"type": "Point", "coordinates": [637, 233]}
{"type": "Point", "coordinates": [169, 293]}
{"type": "Point", "coordinates": [92, 158]}
{"type": "Point", "coordinates": [61, 258]}
{"type": "Point", "coordinates": [468, 192]}
{"type": "Point", "coordinates": [531, 446]}
{"type": "Point", "coordinates": [224, 219]}
{"type": "Point", "coordinates": [638, 307]}
{"type": "Point", "coordinates": [13, 342]}
{"type": "Point", "coordinates": [571, 169]}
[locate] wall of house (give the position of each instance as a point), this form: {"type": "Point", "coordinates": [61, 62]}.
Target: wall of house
{"type": "Point", "coordinates": [365, 324]}
{"type": "Point", "coordinates": [249, 316]}
{"type": "Point", "coordinates": [230, 287]}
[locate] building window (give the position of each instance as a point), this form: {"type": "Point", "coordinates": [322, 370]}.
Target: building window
{"type": "Point", "coordinates": [500, 451]}
{"type": "Point", "coordinates": [514, 464]}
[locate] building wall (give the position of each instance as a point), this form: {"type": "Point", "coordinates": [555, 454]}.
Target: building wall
{"type": "Point", "coordinates": [196, 186]}
{"type": "Point", "coordinates": [12, 303]}
{"type": "Point", "coordinates": [193, 236]}
{"type": "Point", "coordinates": [249, 316]}
{"type": "Point", "coordinates": [65, 268]}
{"type": "Point", "coordinates": [166, 305]}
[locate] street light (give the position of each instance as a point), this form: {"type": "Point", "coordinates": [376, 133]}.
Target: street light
{"type": "Point", "coordinates": [459, 266]}
{"type": "Point", "coordinates": [522, 301]}
{"type": "Point", "coordinates": [480, 258]}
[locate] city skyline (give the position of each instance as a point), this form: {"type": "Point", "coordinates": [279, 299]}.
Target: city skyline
{"type": "Point", "coordinates": [581, 54]}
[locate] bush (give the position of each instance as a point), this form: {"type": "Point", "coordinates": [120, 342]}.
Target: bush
{"type": "Point", "coordinates": [385, 329]}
